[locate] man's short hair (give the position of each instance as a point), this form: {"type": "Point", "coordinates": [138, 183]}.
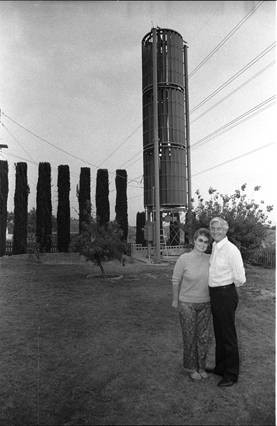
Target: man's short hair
{"type": "Point", "coordinates": [222, 222]}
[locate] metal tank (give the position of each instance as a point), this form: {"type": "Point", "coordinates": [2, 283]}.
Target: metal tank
{"type": "Point", "coordinates": [172, 138]}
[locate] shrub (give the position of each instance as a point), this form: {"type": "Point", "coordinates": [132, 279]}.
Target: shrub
{"type": "Point", "coordinates": [247, 220]}
{"type": "Point", "coordinates": [99, 243]}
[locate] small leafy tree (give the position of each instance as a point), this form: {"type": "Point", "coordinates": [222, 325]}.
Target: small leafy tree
{"type": "Point", "coordinates": [102, 198]}
{"type": "Point", "coordinates": [63, 212]}
{"type": "Point", "coordinates": [121, 208]}
{"type": "Point", "coordinates": [99, 244]}
{"type": "Point", "coordinates": [247, 220]}
{"type": "Point", "coordinates": [44, 208]}
{"type": "Point", "coordinates": [4, 189]}
{"type": "Point", "coordinates": [20, 209]}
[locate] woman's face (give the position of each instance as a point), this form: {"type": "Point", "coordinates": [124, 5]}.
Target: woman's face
{"type": "Point", "coordinates": [201, 243]}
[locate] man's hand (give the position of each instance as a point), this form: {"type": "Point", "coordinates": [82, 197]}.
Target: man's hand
{"type": "Point", "coordinates": [175, 304]}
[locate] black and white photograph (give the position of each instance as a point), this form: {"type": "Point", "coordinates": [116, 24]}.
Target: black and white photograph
{"type": "Point", "coordinates": [137, 213]}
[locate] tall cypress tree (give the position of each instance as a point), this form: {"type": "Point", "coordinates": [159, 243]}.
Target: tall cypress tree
{"type": "Point", "coordinates": [4, 189]}
{"type": "Point", "coordinates": [84, 198]}
{"type": "Point", "coordinates": [63, 212]}
{"type": "Point", "coordinates": [44, 208]}
{"type": "Point", "coordinates": [20, 209]}
{"type": "Point", "coordinates": [140, 223]}
{"type": "Point", "coordinates": [102, 197]}
{"type": "Point", "coordinates": [121, 208]}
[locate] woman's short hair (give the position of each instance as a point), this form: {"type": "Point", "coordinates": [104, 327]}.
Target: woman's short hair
{"type": "Point", "coordinates": [202, 231]}
{"type": "Point", "coordinates": [222, 222]}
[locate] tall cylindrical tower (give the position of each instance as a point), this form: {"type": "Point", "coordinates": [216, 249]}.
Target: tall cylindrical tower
{"type": "Point", "coordinates": [171, 119]}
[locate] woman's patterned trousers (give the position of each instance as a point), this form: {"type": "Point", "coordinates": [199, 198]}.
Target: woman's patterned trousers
{"type": "Point", "coordinates": [195, 319]}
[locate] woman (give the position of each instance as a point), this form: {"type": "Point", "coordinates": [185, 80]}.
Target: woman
{"type": "Point", "coordinates": [191, 296]}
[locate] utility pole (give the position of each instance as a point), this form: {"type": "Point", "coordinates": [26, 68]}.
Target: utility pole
{"type": "Point", "coordinates": [156, 148]}
{"type": "Point", "coordinates": [187, 126]}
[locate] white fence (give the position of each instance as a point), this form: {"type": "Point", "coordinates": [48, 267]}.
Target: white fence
{"type": "Point", "coordinates": [139, 250]}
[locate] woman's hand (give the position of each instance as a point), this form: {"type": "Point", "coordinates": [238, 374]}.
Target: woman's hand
{"type": "Point", "coordinates": [175, 304]}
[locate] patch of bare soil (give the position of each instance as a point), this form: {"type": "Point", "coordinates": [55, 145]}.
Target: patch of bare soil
{"type": "Point", "coordinates": [77, 349]}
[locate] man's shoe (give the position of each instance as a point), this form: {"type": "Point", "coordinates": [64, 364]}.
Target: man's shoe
{"type": "Point", "coordinates": [226, 382]}
{"type": "Point", "coordinates": [213, 371]}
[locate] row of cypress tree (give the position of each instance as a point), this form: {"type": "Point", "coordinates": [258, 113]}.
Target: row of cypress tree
{"type": "Point", "coordinates": [44, 205]}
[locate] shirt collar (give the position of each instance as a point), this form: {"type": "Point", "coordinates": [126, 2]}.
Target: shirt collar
{"type": "Point", "coordinates": [221, 243]}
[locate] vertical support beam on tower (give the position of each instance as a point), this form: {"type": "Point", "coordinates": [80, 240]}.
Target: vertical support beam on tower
{"type": "Point", "coordinates": [187, 126]}
{"type": "Point", "coordinates": [156, 147]}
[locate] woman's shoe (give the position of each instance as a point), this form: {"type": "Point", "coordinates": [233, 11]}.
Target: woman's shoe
{"type": "Point", "coordinates": [203, 374]}
{"type": "Point", "coordinates": [195, 375]}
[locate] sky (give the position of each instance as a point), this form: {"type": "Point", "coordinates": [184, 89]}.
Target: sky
{"type": "Point", "coordinates": [71, 92]}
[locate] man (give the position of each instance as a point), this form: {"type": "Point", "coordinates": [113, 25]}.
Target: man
{"type": "Point", "coordinates": [226, 272]}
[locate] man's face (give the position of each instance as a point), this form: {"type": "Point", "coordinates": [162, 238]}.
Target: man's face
{"type": "Point", "coordinates": [217, 231]}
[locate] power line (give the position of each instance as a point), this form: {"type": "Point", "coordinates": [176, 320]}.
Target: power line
{"type": "Point", "coordinates": [35, 163]}
{"type": "Point", "coordinates": [233, 159]}
{"type": "Point", "coordinates": [233, 91]}
{"type": "Point", "coordinates": [49, 143]}
{"type": "Point", "coordinates": [227, 37]}
{"type": "Point", "coordinates": [29, 181]}
{"type": "Point", "coordinates": [119, 146]}
{"type": "Point", "coordinates": [132, 186]}
{"type": "Point", "coordinates": [232, 123]}
{"type": "Point", "coordinates": [224, 162]}
{"type": "Point", "coordinates": [226, 127]}
{"type": "Point", "coordinates": [130, 159]}
{"type": "Point", "coordinates": [136, 178]}
{"type": "Point", "coordinates": [17, 141]}
{"type": "Point", "coordinates": [62, 150]}
{"type": "Point", "coordinates": [233, 77]}
{"type": "Point", "coordinates": [134, 162]}
{"type": "Point", "coordinates": [8, 154]}
{"type": "Point", "coordinates": [113, 172]}
{"type": "Point", "coordinates": [236, 121]}
{"type": "Point", "coordinates": [210, 168]}
{"type": "Point", "coordinates": [44, 140]}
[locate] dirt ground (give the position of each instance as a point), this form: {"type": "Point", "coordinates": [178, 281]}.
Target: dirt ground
{"type": "Point", "coordinates": [80, 350]}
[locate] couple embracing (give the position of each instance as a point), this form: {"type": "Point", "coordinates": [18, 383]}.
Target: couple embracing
{"type": "Point", "coordinates": [204, 287]}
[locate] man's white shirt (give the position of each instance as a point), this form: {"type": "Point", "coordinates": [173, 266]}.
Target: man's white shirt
{"type": "Point", "coordinates": [226, 265]}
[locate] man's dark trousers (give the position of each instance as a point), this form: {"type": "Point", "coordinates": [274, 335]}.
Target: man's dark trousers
{"type": "Point", "coordinates": [224, 301]}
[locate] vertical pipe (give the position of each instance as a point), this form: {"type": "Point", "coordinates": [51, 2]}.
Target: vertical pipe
{"type": "Point", "coordinates": [148, 220]}
{"type": "Point", "coordinates": [156, 146]}
{"type": "Point", "coordinates": [187, 126]}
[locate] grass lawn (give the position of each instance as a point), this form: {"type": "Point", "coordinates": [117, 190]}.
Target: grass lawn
{"type": "Point", "coordinates": [80, 350]}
